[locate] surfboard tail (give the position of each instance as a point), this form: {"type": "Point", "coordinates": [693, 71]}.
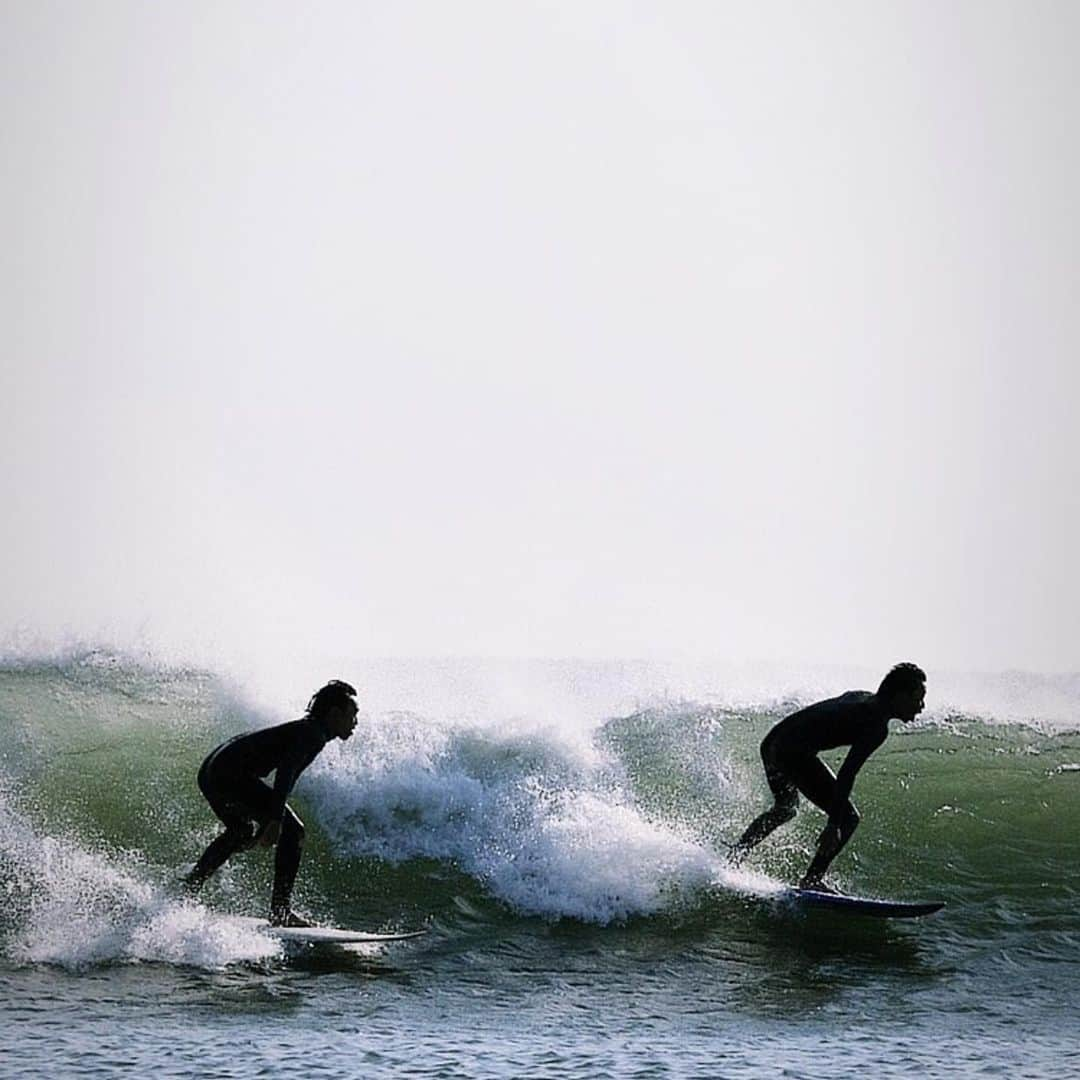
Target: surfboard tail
{"type": "Point", "coordinates": [863, 905]}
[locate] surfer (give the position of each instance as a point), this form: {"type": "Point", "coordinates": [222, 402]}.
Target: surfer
{"type": "Point", "coordinates": [253, 812]}
{"type": "Point", "coordinates": [789, 752]}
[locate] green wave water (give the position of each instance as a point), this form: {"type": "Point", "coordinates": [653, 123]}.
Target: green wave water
{"type": "Point", "coordinates": [586, 860]}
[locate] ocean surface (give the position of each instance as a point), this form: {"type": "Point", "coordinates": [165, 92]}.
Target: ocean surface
{"type": "Point", "coordinates": [560, 831]}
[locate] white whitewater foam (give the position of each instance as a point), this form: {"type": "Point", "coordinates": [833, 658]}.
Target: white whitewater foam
{"type": "Point", "coordinates": [545, 823]}
{"type": "Point", "coordinates": [74, 906]}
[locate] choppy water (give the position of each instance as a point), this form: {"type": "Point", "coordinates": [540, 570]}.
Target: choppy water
{"type": "Point", "coordinates": [581, 921]}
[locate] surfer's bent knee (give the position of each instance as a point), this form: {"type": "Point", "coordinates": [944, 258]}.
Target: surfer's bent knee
{"type": "Point", "coordinates": [243, 833]}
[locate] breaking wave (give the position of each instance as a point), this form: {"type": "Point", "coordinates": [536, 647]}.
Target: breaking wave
{"type": "Point", "coordinates": [427, 816]}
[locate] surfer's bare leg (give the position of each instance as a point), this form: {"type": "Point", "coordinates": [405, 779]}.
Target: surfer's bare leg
{"type": "Point", "coordinates": [286, 863]}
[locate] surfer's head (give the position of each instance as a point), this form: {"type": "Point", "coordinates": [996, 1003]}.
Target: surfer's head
{"type": "Point", "coordinates": [903, 691]}
{"type": "Point", "coordinates": [334, 706]}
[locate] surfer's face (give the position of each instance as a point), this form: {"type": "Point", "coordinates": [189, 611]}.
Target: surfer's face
{"type": "Point", "coordinates": [909, 704]}
{"type": "Point", "coordinates": [341, 720]}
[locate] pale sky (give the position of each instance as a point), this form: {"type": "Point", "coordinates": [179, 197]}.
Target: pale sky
{"type": "Point", "coordinates": [746, 330]}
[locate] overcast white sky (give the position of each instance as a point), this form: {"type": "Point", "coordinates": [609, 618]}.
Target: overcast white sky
{"type": "Point", "coordinates": [538, 328]}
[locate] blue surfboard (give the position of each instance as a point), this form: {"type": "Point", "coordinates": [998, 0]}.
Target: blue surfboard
{"type": "Point", "coordinates": [861, 905]}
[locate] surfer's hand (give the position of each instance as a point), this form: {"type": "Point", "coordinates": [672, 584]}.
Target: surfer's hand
{"type": "Point", "coordinates": [268, 836]}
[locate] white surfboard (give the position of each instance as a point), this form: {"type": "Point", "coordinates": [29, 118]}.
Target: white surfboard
{"type": "Point", "coordinates": [862, 905]}
{"type": "Point", "coordinates": [328, 935]}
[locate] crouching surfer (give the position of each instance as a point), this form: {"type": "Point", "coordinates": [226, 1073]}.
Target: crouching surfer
{"type": "Point", "coordinates": [253, 812]}
{"type": "Point", "coordinates": [789, 752]}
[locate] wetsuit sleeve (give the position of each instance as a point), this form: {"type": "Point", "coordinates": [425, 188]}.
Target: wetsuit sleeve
{"type": "Point", "coordinates": [284, 778]}
{"type": "Point", "coordinates": [288, 770]}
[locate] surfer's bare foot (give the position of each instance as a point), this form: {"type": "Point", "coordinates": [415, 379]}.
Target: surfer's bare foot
{"type": "Point", "coordinates": [289, 918]}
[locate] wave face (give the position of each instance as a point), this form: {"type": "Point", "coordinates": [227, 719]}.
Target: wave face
{"type": "Point", "coordinates": [493, 820]}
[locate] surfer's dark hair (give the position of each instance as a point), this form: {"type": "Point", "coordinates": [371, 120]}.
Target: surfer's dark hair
{"type": "Point", "coordinates": [333, 694]}
{"type": "Point", "coordinates": [902, 678]}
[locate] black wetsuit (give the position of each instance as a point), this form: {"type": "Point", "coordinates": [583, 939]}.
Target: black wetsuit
{"type": "Point", "coordinates": [789, 751]}
{"type": "Point", "coordinates": [230, 778]}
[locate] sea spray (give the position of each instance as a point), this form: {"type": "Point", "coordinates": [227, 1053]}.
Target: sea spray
{"type": "Point", "coordinates": [547, 828]}
{"type": "Point", "coordinates": [601, 821]}
{"type": "Point", "coordinates": [606, 821]}
{"type": "Point", "coordinates": [73, 906]}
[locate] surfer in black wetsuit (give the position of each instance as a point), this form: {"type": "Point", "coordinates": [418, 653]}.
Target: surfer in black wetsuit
{"type": "Point", "coordinates": [789, 752]}
{"type": "Point", "coordinates": [230, 780]}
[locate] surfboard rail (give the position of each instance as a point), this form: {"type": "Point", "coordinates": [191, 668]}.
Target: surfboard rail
{"type": "Point", "coordinates": [863, 905]}
{"type": "Point", "coordinates": [328, 935]}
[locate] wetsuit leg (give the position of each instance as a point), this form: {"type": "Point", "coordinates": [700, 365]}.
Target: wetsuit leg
{"type": "Point", "coordinates": [785, 801]}
{"type": "Point", "coordinates": [814, 779]}
{"type": "Point", "coordinates": [817, 782]}
{"type": "Point", "coordinates": [286, 863]}
{"type": "Point", "coordinates": [239, 802]}
{"type": "Point", "coordinates": [219, 852]}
